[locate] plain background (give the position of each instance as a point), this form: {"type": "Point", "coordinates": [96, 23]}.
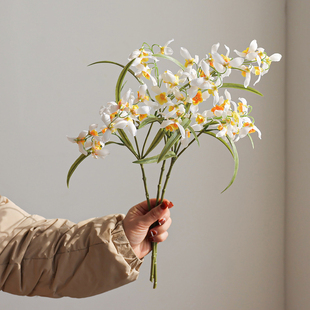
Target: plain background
{"type": "Point", "coordinates": [224, 251]}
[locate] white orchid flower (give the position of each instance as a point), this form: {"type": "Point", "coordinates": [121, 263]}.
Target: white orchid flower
{"type": "Point", "coordinates": [142, 95]}
{"type": "Point", "coordinates": [189, 60]}
{"type": "Point", "coordinates": [248, 127]}
{"type": "Point", "coordinates": [185, 140]}
{"type": "Point", "coordinates": [246, 72]}
{"type": "Point", "coordinates": [223, 63]}
{"type": "Point", "coordinates": [250, 53]}
{"type": "Point", "coordinates": [111, 108]}
{"type": "Point", "coordinates": [172, 125]}
{"type": "Point", "coordinates": [203, 82]}
{"type": "Point", "coordinates": [161, 97]}
{"type": "Point", "coordinates": [111, 127]}
{"type": "Point", "coordinates": [172, 80]}
{"type": "Point", "coordinates": [141, 57]}
{"type": "Point", "coordinates": [97, 148]}
{"type": "Point", "coordinates": [268, 60]}
{"type": "Point", "coordinates": [201, 120]}
{"type": "Point", "coordinates": [242, 106]}
{"type": "Point", "coordinates": [80, 140]}
{"type": "Point", "coordinates": [130, 126]}
{"type": "Point", "coordinates": [145, 71]}
{"type": "Point", "coordinates": [174, 109]}
{"type": "Point", "coordinates": [165, 50]}
{"type": "Point", "coordinates": [257, 71]}
{"type": "Point", "coordinates": [214, 92]}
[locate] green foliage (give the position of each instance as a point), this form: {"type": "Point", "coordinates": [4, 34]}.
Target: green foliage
{"type": "Point", "coordinates": [173, 139]}
{"type": "Point", "coordinates": [240, 86]}
{"type": "Point", "coordinates": [154, 159]}
{"type": "Point", "coordinates": [74, 166]}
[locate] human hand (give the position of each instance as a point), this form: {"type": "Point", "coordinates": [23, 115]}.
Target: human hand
{"type": "Point", "coordinates": [137, 224]}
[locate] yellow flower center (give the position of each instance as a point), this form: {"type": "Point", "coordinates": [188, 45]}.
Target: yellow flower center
{"type": "Point", "coordinates": [198, 98]}
{"type": "Point", "coordinates": [246, 51]}
{"type": "Point", "coordinates": [93, 132]}
{"type": "Point", "coordinates": [172, 127]}
{"type": "Point", "coordinates": [161, 98]}
{"type": "Point", "coordinates": [200, 119]}
{"type": "Point", "coordinates": [142, 117]}
{"type": "Point", "coordinates": [258, 70]}
{"type": "Point", "coordinates": [189, 62]}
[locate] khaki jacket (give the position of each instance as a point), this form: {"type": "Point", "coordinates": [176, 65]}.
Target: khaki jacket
{"type": "Point", "coordinates": [56, 258]}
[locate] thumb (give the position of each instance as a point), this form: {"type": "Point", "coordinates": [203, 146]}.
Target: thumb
{"type": "Point", "coordinates": [157, 213]}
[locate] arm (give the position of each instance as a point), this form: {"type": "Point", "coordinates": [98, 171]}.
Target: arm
{"type": "Point", "coordinates": [56, 258]}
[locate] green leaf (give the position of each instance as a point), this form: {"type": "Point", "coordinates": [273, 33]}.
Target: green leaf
{"type": "Point", "coordinates": [126, 141]}
{"type": "Point", "coordinates": [150, 119]}
{"type": "Point", "coordinates": [173, 139]}
{"type": "Point", "coordinates": [117, 64]}
{"type": "Point", "coordinates": [159, 136]}
{"type": "Point", "coordinates": [154, 159]}
{"type": "Point", "coordinates": [240, 86]}
{"type": "Point", "coordinates": [233, 151]}
{"type": "Point", "coordinates": [220, 139]}
{"type": "Point", "coordinates": [236, 159]}
{"type": "Point", "coordinates": [171, 59]}
{"type": "Point", "coordinates": [252, 142]}
{"type": "Point", "coordinates": [120, 81]}
{"type": "Point", "coordinates": [112, 142]}
{"type": "Point", "coordinates": [74, 166]}
{"type": "Point", "coordinates": [194, 134]}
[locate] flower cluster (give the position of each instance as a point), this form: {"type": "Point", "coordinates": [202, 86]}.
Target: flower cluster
{"type": "Point", "coordinates": [184, 104]}
{"type": "Point", "coordinates": [173, 97]}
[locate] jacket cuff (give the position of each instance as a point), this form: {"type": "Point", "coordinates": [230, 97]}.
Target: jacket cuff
{"type": "Point", "coordinates": [124, 248]}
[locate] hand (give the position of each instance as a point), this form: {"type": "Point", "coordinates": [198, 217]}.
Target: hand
{"type": "Point", "coordinates": [137, 224]}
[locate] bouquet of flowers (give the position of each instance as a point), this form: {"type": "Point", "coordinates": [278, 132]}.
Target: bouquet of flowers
{"type": "Point", "coordinates": [177, 107]}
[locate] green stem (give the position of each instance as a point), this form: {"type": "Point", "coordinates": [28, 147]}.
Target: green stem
{"type": "Point", "coordinates": [145, 187]}
{"type": "Point", "coordinates": [147, 136]}
{"type": "Point", "coordinates": [137, 145]}
{"type": "Point", "coordinates": [155, 264]}
{"type": "Point", "coordinates": [173, 160]}
{"type": "Point", "coordinates": [153, 276]}
{"type": "Point", "coordinates": [189, 145]}
{"type": "Point", "coordinates": [160, 180]}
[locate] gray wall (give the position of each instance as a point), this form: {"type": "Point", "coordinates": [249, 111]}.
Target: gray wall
{"type": "Point", "coordinates": [297, 164]}
{"type": "Point", "coordinates": [225, 251]}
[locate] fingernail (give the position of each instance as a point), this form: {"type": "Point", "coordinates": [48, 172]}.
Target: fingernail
{"type": "Point", "coordinates": [164, 205]}
{"type": "Point", "coordinates": [153, 233]}
{"type": "Point", "coordinates": [162, 221]}
{"type": "Point", "coordinates": [151, 239]}
{"type": "Point", "coordinates": [170, 205]}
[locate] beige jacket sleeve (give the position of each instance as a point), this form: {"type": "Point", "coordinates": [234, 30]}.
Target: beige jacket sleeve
{"type": "Point", "coordinates": [56, 258]}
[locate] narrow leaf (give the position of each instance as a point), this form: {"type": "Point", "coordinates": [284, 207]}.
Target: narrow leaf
{"type": "Point", "coordinates": [112, 142]}
{"type": "Point", "coordinates": [117, 64]}
{"type": "Point", "coordinates": [252, 142]}
{"type": "Point", "coordinates": [194, 134]}
{"type": "Point", "coordinates": [220, 139]}
{"type": "Point", "coordinates": [241, 86]}
{"type": "Point", "coordinates": [74, 166]}
{"type": "Point", "coordinates": [120, 65]}
{"type": "Point", "coordinates": [171, 59]}
{"type": "Point", "coordinates": [154, 159]}
{"type": "Point", "coordinates": [126, 141]}
{"type": "Point", "coordinates": [120, 81]}
{"type": "Point", "coordinates": [150, 119]}
{"type": "Point", "coordinates": [236, 159]}
{"type": "Point", "coordinates": [173, 139]}
{"type": "Point", "coordinates": [159, 136]}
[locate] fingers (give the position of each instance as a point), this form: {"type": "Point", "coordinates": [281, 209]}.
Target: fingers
{"type": "Point", "coordinates": [144, 208]}
{"type": "Point", "coordinates": [160, 238]}
{"type": "Point", "coordinates": [159, 233]}
{"type": "Point", "coordinates": [158, 213]}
